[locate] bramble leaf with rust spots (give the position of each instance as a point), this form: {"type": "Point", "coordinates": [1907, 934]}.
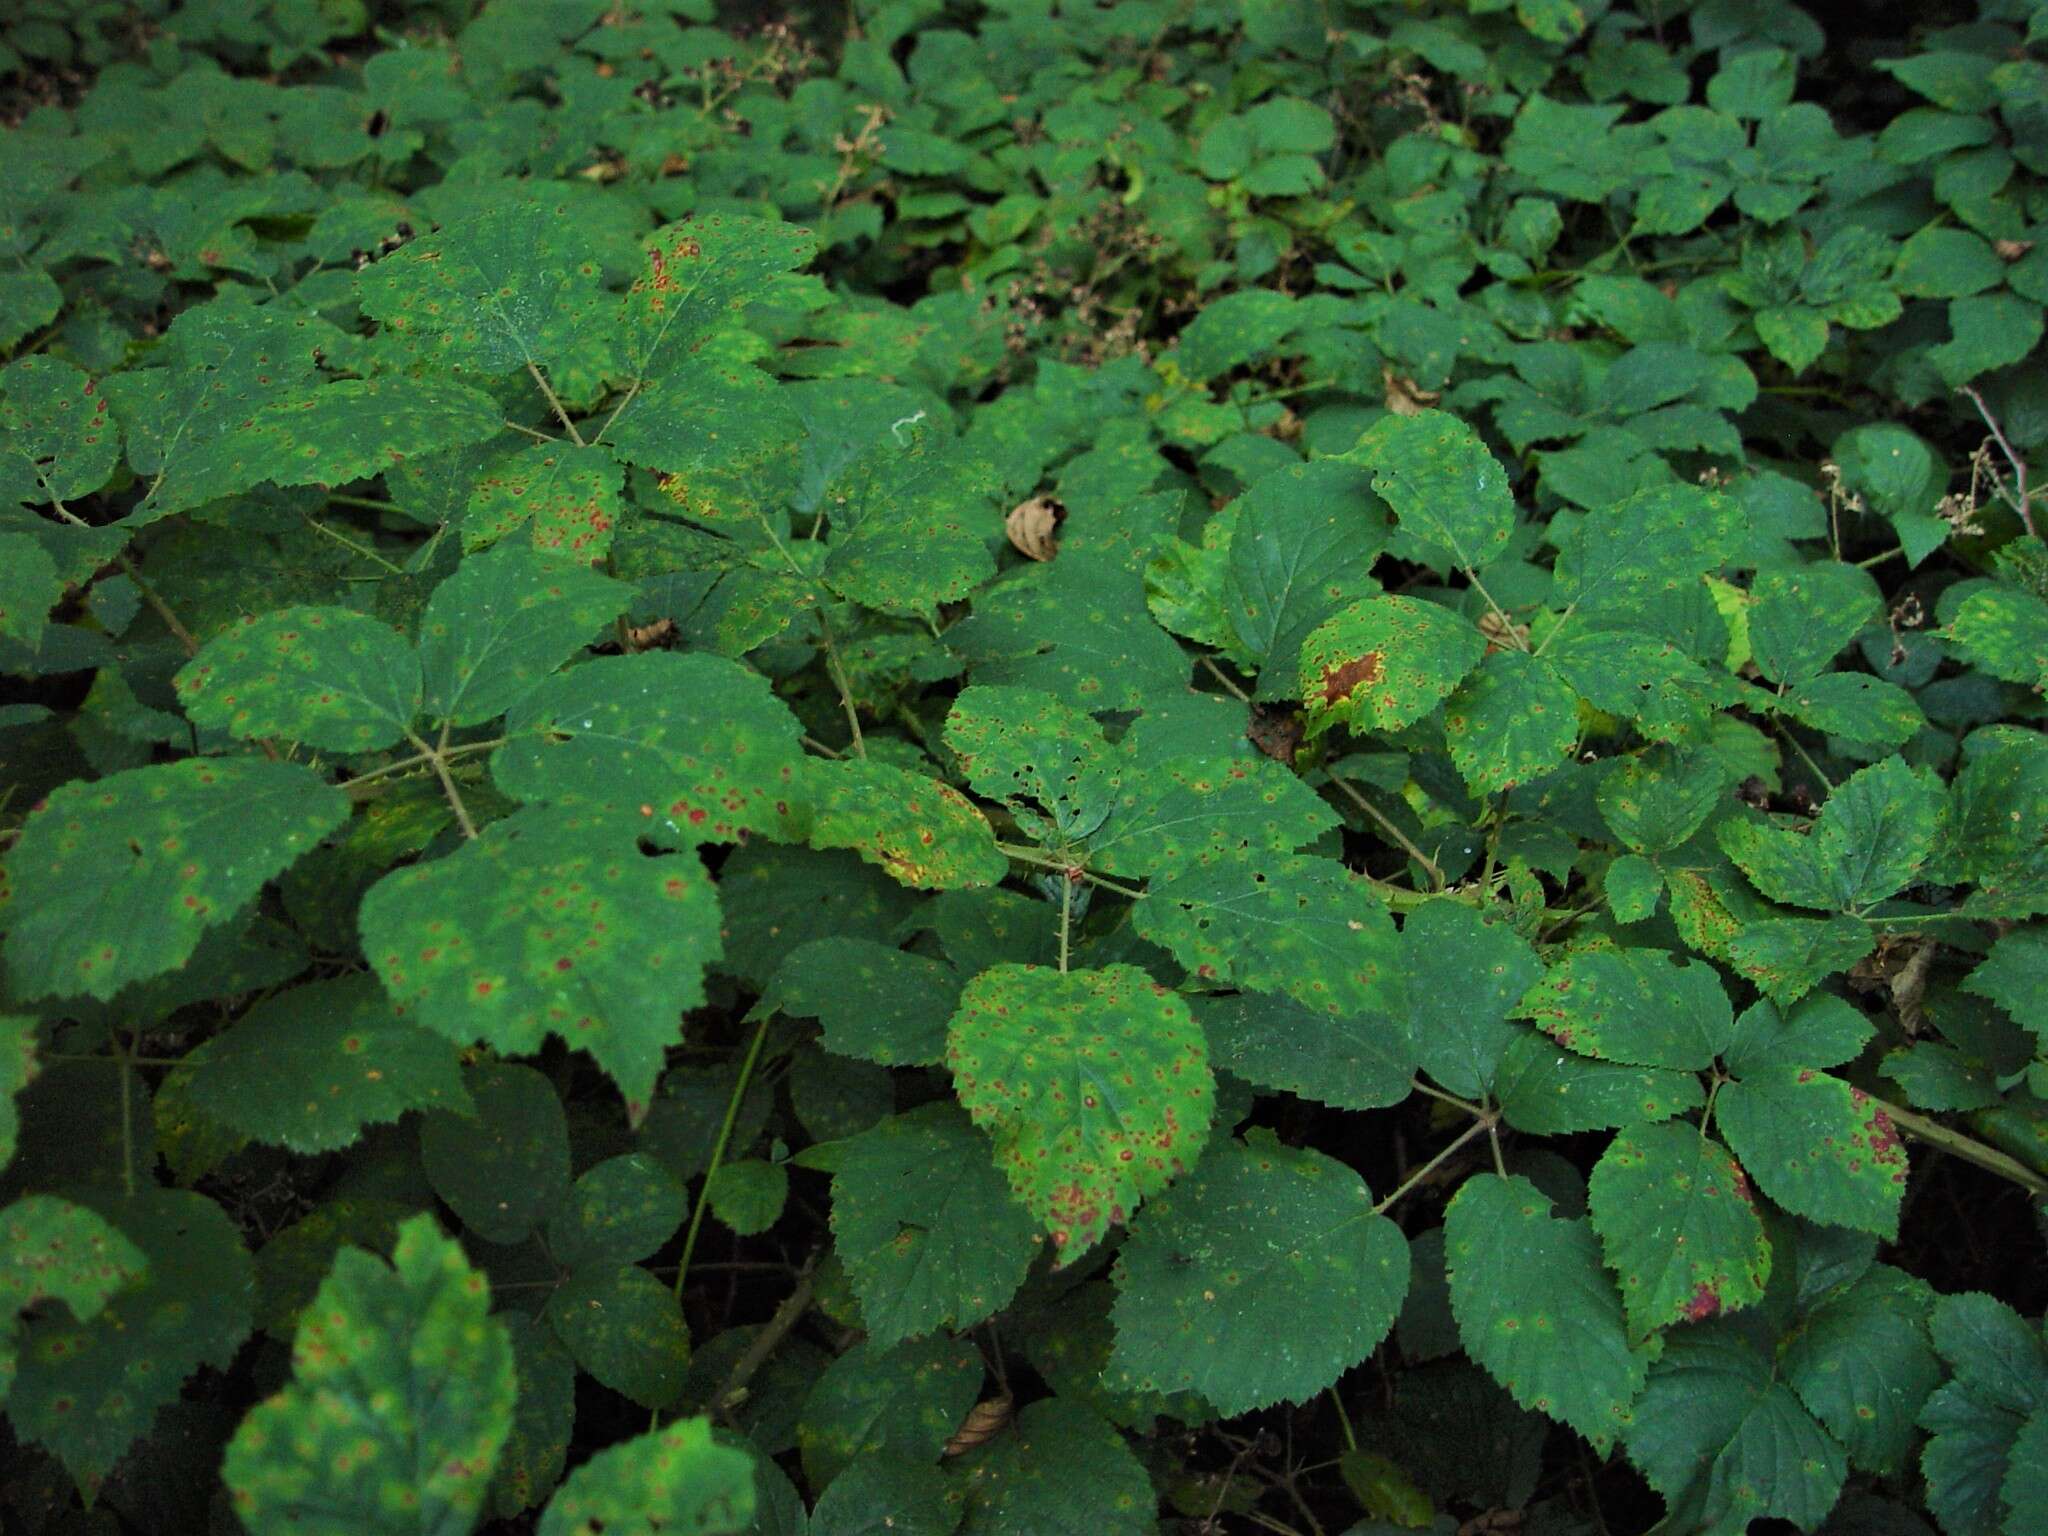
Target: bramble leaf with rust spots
{"type": "Point", "coordinates": [1446, 490]}
{"type": "Point", "coordinates": [57, 440]}
{"type": "Point", "coordinates": [1817, 1146]}
{"type": "Point", "coordinates": [923, 832]}
{"type": "Point", "coordinates": [400, 1400]}
{"type": "Point", "coordinates": [1384, 662]}
{"type": "Point", "coordinates": [673, 1478]}
{"type": "Point", "coordinates": [1678, 1225]}
{"type": "Point", "coordinates": [326, 677]}
{"type": "Point", "coordinates": [1634, 1006]}
{"type": "Point", "coordinates": [1095, 1086]}
{"type": "Point", "coordinates": [1536, 1309]}
{"type": "Point", "coordinates": [698, 271]}
{"type": "Point", "coordinates": [567, 501]}
{"type": "Point", "coordinates": [58, 1251]}
{"type": "Point", "coordinates": [550, 924]}
{"type": "Point", "coordinates": [698, 748]}
{"type": "Point", "coordinates": [116, 880]}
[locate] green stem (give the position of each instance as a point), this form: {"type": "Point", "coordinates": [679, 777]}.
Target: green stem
{"type": "Point", "coordinates": [437, 756]}
{"type": "Point", "coordinates": [1038, 859]}
{"type": "Point", "coordinates": [1476, 1128]}
{"type": "Point", "coordinates": [362, 550]}
{"type": "Point", "coordinates": [1343, 1421]}
{"type": "Point", "coordinates": [127, 1110]}
{"type": "Point", "coordinates": [555, 403]}
{"type": "Point", "coordinates": [1968, 1148]}
{"type": "Point", "coordinates": [1066, 918]}
{"type": "Point", "coordinates": [1380, 819]}
{"type": "Point", "coordinates": [367, 503]}
{"type": "Point", "coordinates": [732, 1114]}
{"type": "Point", "coordinates": [1476, 1111]}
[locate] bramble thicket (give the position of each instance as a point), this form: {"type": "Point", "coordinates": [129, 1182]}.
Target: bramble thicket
{"type": "Point", "coordinates": [1023, 767]}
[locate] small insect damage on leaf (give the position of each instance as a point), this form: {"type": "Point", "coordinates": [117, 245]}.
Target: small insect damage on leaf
{"type": "Point", "coordinates": [1340, 682]}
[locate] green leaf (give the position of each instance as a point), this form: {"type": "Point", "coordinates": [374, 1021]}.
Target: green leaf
{"type": "Point", "coordinates": [550, 925]}
{"type": "Point", "coordinates": [1188, 810]}
{"type": "Point", "coordinates": [1634, 1006]}
{"type": "Point", "coordinates": [1631, 555]}
{"type": "Point", "coordinates": [1444, 487]}
{"type": "Point", "coordinates": [1042, 758]}
{"type": "Point", "coordinates": [924, 833]}
{"type": "Point", "coordinates": [930, 1236]}
{"type": "Point", "coordinates": [1862, 1364]}
{"type": "Point", "coordinates": [1511, 721]}
{"type": "Point", "coordinates": [1821, 1031]}
{"type": "Point", "coordinates": [17, 1071]}
{"type": "Point", "coordinates": [542, 1422]}
{"type": "Point", "coordinates": [1546, 1090]}
{"type": "Point", "coordinates": [697, 747]}
{"type": "Point", "coordinates": [875, 1002]}
{"type": "Point", "coordinates": [1638, 677]}
{"type": "Point", "coordinates": [1713, 1414]}
{"type": "Point", "coordinates": [86, 1390]}
{"type": "Point", "coordinates": [1816, 1146]}
{"type": "Point", "coordinates": [1943, 263]}
{"type": "Point", "coordinates": [1061, 1468]}
{"type": "Point", "coordinates": [1632, 886]}
{"type": "Point", "coordinates": [885, 1498]}
{"type": "Point", "coordinates": [55, 1250]}
{"type": "Point", "coordinates": [401, 1398]}
{"type": "Point", "coordinates": [504, 1165]}
{"type": "Point", "coordinates": [907, 526]}
{"type": "Point", "coordinates": [1789, 957]}
{"type": "Point", "coordinates": [29, 587]}
{"type": "Point", "coordinates": [617, 1213]}
{"type": "Point", "coordinates": [2014, 975]}
{"type": "Point", "coordinates": [1385, 663]}
{"type": "Point", "coordinates": [1876, 830]}
{"type": "Point", "coordinates": [1261, 1278]}
{"type": "Point", "coordinates": [1980, 1422]}
{"type": "Point", "coordinates": [116, 880]}
{"type": "Point", "coordinates": [1991, 330]}
{"type": "Point", "coordinates": [1657, 799]}
{"type": "Point", "coordinates": [57, 442]}
{"type": "Point", "coordinates": [674, 1480]}
{"type": "Point", "coordinates": [748, 1194]}
{"type": "Point", "coordinates": [1361, 1062]}
{"type": "Point", "coordinates": [1678, 1226]}
{"type": "Point", "coordinates": [901, 1402]}
{"type": "Point", "coordinates": [307, 1069]}
{"type": "Point", "coordinates": [1535, 1308]}
{"type": "Point", "coordinates": [698, 271]}
{"type": "Point", "coordinates": [2005, 632]}
{"type": "Point", "coordinates": [343, 430]}
{"type": "Point", "coordinates": [326, 677]}
{"type": "Point", "coordinates": [501, 623]}
{"type": "Point", "coordinates": [488, 292]}
{"type": "Point", "coordinates": [1305, 927]}
{"type": "Point", "coordinates": [626, 1329]}
{"type": "Point", "coordinates": [1858, 708]}
{"type": "Point", "coordinates": [569, 500]}
{"type": "Point", "coordinates": [1464, 976]}
{"type": "Point", "coordinates": [1095, 1086]}
{"type": "Point", "coordinates": [1307, 536]}
{"type": "Point", "coordinates": [1802, 617]}
{"type": "Point", "coordinates": [1077, 628]}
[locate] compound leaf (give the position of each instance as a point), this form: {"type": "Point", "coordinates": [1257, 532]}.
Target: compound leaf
{"type": "Point", "coordinates": [1876, 830]}
{"type": "Point", "coordinates": [551, 924]}
{"type": "Point", "coordinates": [1095, 1086]}
{"type": "Point", "coordinates": [400, 1401]}
{"type": "Point", "coordinates": [1260, 1278]}
{"type": "Point", "coordinates": [116, 880]}
{"type": "Point", "coordinates": [1712, 1414]}
{"type": "Point", "coordinates": [1535, 1308]}
{"type": "Point", "coordinates": [1863, 1365]}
